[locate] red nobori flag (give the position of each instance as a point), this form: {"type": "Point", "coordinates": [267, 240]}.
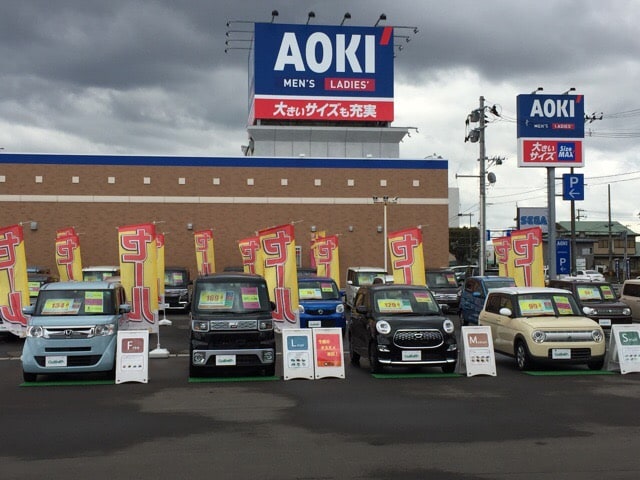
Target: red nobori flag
{"type": "Point", "coordinates": [14, 282]}
{"type": "Point", "coordinates": [407, 257]}
{"type": "Point", "coordinates": [205, 257]}
{"type": "Point", "coordinates": [68, 257]}
{"type": "Point", "coordinates": [278, 248]}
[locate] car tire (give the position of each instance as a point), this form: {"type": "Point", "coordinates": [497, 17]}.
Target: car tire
{"type": "Point", "coordinates": [374, 364]}
{"type": "Point", "coordinates": [596, 365]}
{"type": "Point", "coordinates": [355, 357]}
{"type": "Point", "coordinates": [449, 368]}
{"type": "Point", "coordinates": [523, 359]}
{"type": "Point", "coordinates": [29, 377]}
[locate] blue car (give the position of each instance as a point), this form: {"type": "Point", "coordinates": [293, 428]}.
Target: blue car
{"type": "Point", "coordinates": [73, 329]}
{"type": "Point", "coordinates": [320, 303]}
{"type": "Point", "coordinates": [474, 294]}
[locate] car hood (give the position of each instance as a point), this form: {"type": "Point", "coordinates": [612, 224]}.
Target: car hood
{"type": "Point", "coordinates": [559, 323]}
{"type": "Point", "coordinates": [71, 320]}
{"type": "Point", "coordinates": [320, 303]}
{"type": "Point", "coordinates": [399, 322]}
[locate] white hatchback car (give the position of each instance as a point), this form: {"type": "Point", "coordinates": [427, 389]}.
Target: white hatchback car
{"type": "Point", "coordinates": [590, 275]}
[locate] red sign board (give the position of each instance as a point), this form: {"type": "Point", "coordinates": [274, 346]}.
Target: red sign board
{"type": "Point", "coordinates": [549, 152]}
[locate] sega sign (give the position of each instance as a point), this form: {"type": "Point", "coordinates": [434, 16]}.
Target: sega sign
{"type": "Point", "coordinates": [528, 217]}
{"type": "Point", "coordinates": [320, 72]}
{"type": "Point", "coordinates": [550, 116]}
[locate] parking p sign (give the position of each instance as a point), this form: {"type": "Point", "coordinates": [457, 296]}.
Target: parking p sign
{"type": "Point", "coordinates": [573, 186]}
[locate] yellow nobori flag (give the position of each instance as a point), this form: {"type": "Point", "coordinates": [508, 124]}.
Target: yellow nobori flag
{"type": "Point", "coordinates": [68, 257]}
{"type": "Point", "coordinates": [249, 248]}
{"type": "Point", "coordinates": [327, 257]}
{"type": "Point", "coordinates": [14, 282]}
{"type": "Point", "coordinates": [205, 258]}
{"type": "Point", "coordinates": [502, 247]}
{"type": "Point", "coordinates": [407, 257]}
{"type": "Point", "coordinates": [138, 272]}
{"type": "Point", "coordinates": [278, 249]}
{"type": "Point", "coordinates": [526, 263]}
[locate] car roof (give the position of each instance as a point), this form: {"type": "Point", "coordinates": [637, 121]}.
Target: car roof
{"type": "Point", "coordinates": [393, 286]}
{"type": "Point", "coordinates": [490, 278]}
{"type": "Point", "coordinates": [526, 290]}
{"type": "Point", "coordinates": [311, 278]}
{"type": "Point", "coordinates": [368, 269]}
{"type": "Point", "coordinates": [104, 285]}
{"type": "Point", "coordinates": [230, 277]}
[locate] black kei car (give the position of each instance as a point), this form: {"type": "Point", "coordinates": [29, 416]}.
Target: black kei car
{"type": "Point", "coordinates": [401, 325]}
{"type": "Point", "coordinates": [231, 325]}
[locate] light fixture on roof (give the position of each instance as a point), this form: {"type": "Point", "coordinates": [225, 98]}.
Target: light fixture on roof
{"type": "Point", "coordinates": [572, 89]}
{"type": "Point", "coordinates": [346, 16]}
{"type": "Point", "coordinates": [274, 14]}
{"type": "Point", "coordinates": [380, 18]}
{"type": "Point", "coordinates": [539, 89]}
{"type": "Point", "coordinates": [310, 16]}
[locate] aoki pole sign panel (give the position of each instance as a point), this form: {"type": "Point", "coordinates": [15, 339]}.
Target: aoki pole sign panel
{"type": "Point", "coordinates": [477, 356]}
{"type": "Point", "coordinates": [132, 358]}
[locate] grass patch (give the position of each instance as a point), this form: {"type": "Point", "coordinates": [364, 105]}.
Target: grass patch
{"type": "Point", "coordinates": [67, 383]}
{"type": "Point", "coordinates": [564, 373]}
{"type": "Point", "coordinates": [231, 379]}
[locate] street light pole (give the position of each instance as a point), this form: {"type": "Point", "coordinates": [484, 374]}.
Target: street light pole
{"type": "Point", "coordinates": [385, 200]}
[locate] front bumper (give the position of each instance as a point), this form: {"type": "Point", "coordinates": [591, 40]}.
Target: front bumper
{"type": "Point", "coordinates": [42, 356]}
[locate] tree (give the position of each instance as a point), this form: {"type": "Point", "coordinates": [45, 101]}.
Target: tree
{"type": "Point", "coordinates": [463, 244]}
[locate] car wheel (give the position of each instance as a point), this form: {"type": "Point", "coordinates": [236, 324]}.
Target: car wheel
{"type": "Point", "coordinates": [374, 363]}
{"type": "Point", "coordinates": [355, 357]}
{"type": "Point", "coordinates": [449, 368]}
{"type": "Point", "coordinates": [523, 359]}
{"type": "Point", "coordinates": [596, 365]}
{"type": "Point", "coordinates": [29, 377]}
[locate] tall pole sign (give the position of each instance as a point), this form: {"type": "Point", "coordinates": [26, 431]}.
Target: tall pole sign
{"type": "Point", "coordinates": [550, 133]}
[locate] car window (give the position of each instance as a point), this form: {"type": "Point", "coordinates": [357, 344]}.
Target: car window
{"type": "Point", "coordinates": [237, 297]}
{"type": "Point", "coordinates": [589, 293]}
{"type": "Point", "coordinates": [631, 289]}
{"type": "Point", "coordinates": [405, 301]}
{"type": "Point", "coordinates": [607, 292]}
{"type": "Point", "coordinates": [367, 278]}
{"type": "Point", "coordinates": [546, 304]}
{"type": "Point", "coordinates": [493, 303]}
{"type": "Point", "coordinates": [75, 302]}
{"type": "Point", "coordinates": [175, 278]}
{"type": "Point", "coordinates": [318, 290]}
{"type": "Point", "coordinates": [441, 279]}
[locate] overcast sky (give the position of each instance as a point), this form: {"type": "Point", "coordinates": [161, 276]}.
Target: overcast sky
{"type": "Point", "coordinates": [152, 77]}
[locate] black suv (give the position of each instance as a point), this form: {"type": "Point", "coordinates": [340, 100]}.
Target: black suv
{"type": "Point", "coordinates": [444, 285]}
{"type": "Point", "coordinates": [177, 288]}
{"type": "Point", "coordinates": [231, 325]}
{"type": "Point", "coordinates": [598, 301]}
{"type": "Point", "coordinates": [401, 325]}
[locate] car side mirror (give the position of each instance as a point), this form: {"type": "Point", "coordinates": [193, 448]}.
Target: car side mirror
{"type": "Point", "coordinates": [349, 282]}
{"type": "Point", "coordinates": [444, 308]}
{"type": "Point", "coordinates": [29, 309]}
{"type": "Point", "coordinates": [476, 294]}
{"type": "Point", "coordinates": [506, 312]}
{"type": "Point", "coordinates": [124, 308]}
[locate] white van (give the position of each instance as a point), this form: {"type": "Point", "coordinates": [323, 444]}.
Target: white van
{"type": "Point", "coordinates": [357, 276]}
{"type": "Point", "coordinates": [630, 295]}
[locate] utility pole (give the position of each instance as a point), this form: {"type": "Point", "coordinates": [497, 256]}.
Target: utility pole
{"type": "Point", "coordinates": [483, 192]}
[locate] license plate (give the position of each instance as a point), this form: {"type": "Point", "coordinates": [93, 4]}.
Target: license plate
{"type": "Point", "coordinates": [225, 360]}
{"type": "Point", "coordinates": [56, 361]}
{"type": "Point", "coordinates": [411, 355]}
{"type": "Point", "coordinates": [561, 353]}
{"type": "Point", "coordinates": [315, 323]}
{"type": "Point", "coordinates": [604, 322]}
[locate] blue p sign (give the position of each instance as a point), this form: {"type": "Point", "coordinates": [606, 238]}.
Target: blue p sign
{"type": "Point", "coordinates": [573, 186]}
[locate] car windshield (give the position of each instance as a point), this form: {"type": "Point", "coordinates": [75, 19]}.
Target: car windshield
{"type": "Point", "coordinates": [99, 275]}
{"type": "Point", "coordinates": [75, 302]}
{"type": "Point", "coordinates": [367, 278]}
{"type": "Point", "coordinates": [175, 278]}
{"type": "Point", "coordinates": [318, 290]}
{"type": "Point", "coordinates": [595, 293]}
{"type": "Point", "coordinates": [441, 279]}
{"type": "Point", "coordinates": [405, 301]}
{"type": "Point", "coordinates": [547, 305]}
{"type": "Point", "coordinates": [236, 297]}
{"type": "Point", "coordinates": [500, 283]}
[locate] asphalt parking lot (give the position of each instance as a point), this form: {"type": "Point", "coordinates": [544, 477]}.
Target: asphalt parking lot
{"type": "Point", "coordinates": [565, 425]}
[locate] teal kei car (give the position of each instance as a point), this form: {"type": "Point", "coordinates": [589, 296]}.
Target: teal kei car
{"type": "Point", "coordinates": [474, 293]}
{"type": "Point", "coordinates": [320, 303]}
{"type": "Point", "coordinates": [72, 329]}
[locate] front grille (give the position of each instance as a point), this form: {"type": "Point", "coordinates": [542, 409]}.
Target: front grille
{"type": "Point", "coordinates": [418, 338]}
{"type": "Point", "coordinates": [224, 341]}
{"type": "Point", "coordinates": [568, 336]}
{"type": "Point", "coordinates": [320, 311]}
{"type": "Point", "coordinates": [74, 360]}
{"type": "Point", "coordinates": [66, 349]}
{"type": "Point", "coordinates": [66, 333]}
{"type": "Point", "coordinates": [576, 354]}
{"type": "Point", "coordinates": [233, 325]}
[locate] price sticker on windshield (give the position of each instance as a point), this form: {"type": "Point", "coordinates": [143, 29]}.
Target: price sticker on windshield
{"type": "Point", "coordinates": [388, 305]}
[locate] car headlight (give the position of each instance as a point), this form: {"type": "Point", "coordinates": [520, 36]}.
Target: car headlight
{"type": "Point", "coordinates": [626, 311]}
{"type": "Point", "coordinates": [383, 327]}
{"type": "Point", "coordinates": [300, 308]}
{"type": "Point", "coordinates": [265, 325]}
{"type": "Point", "coordinates": [199, 326]}
{"type": "Point", "coordinates": [589, 311]}
{"type": "Point", "coordinates": [340, 308]}
{"type": "Point", "coordinates": [538, 336]}
{"type": "Point", "coordinates": [35, 332]}
{"type": "Point", "coordinates": [104, 330]}
{"type": "Point", "coordinates": [597, 335]}
{"type": "Point", "coordinates": [448, 326]}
